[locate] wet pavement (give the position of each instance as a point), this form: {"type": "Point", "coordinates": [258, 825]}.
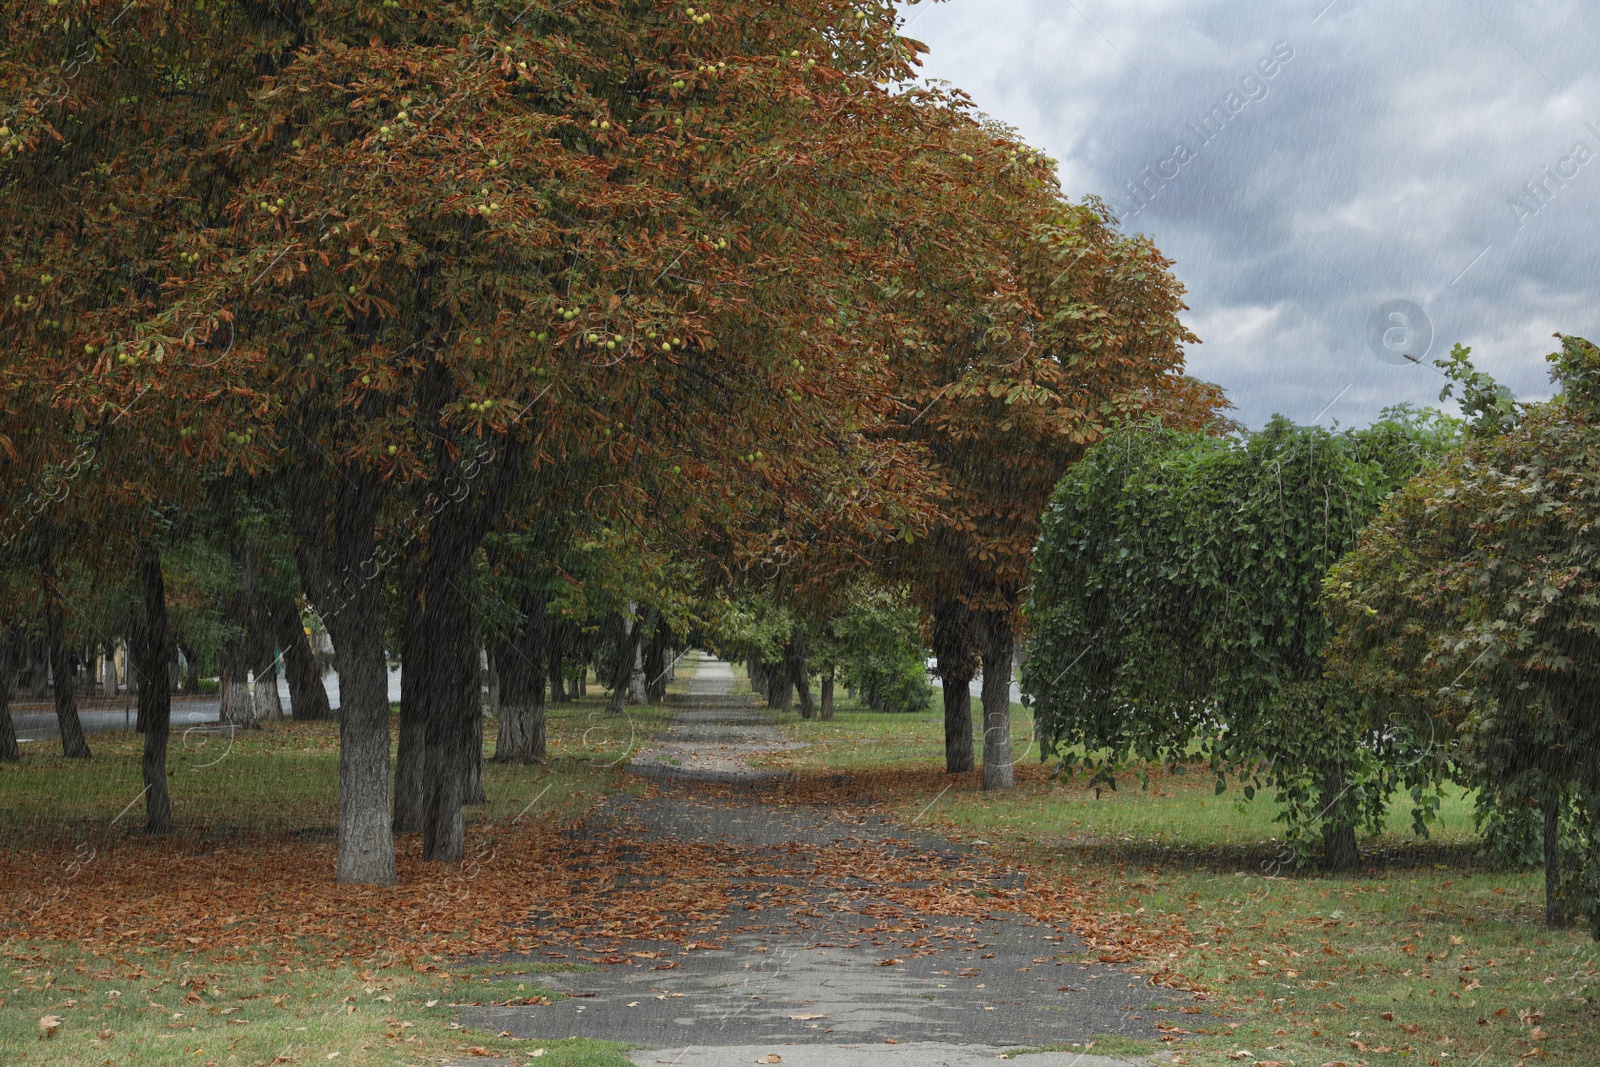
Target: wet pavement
{"type": "Point", "coordinates": [813, 962]}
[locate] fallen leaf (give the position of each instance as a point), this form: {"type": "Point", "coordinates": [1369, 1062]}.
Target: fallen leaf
{"type": "Point", "coordinates": [890, 963]}
{"type": "Point", "coordinates": [807, 1016]}
{"type": "Point", "coordinates": [49, 1025]}
{"type": "Point", "coordinates": [771, 1057]}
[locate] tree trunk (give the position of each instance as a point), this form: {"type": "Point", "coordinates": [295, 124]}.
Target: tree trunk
{"type": "Point", "coordinates": [521, 667]}
{"type": "Point", "coordinates": [995, 644]}
{"type": "Point", "coordinates": [411, 757]}
{"type": "Point", "coordinates": [472, 788]}
{"type": "Point", "coordinates": [233, 694]}
{"type": "Point", "coordinates": [779, 686]}
{"type": "Point", "coordinates": [952, 645]}
{"type": "Point", "coordinates": [155, 696]}
{"type": "Point", "coordinates": [73, 744]}
{"type": "Point", "coordinates": [556, 663]}
{"type": "Point", "coordinates": [236, 705]}
{"type": "Point", "coordinates": [655, 664]}
{"type": "Point", "coordinates": [627, 637]}
{"type": "Point", "coordinates": [308, 699]}
{"type": "Point", "coordinates": [1555, 913]}
{"type": "Point", "coordinates": [410, 785]}
{"type": "Point", "coordinates": [366, 843]}
{"type": "Point", "coordinates": [269, 705]}
{"type": "Point", "coordinates": [827, 695]}
{"type": "Point", "coordinates": [798, 673]}
{"type": "Point", "coordinates": [1339, 852]}
{"type": "Point", "coordinates": [449, 647]}
{"type": "Point", "coordinates": [191, 679]}
{"type": "Point", "coordinates": [636, 678]}
{"type": "Point", "coordinates": [10, 751]}
{"type": "Point", "coordinates": [339, 563]}
{"type": "Point", "coordinates": [441, 672]}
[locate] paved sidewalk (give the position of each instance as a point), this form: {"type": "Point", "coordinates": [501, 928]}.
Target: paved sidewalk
{"type": "Point", "coordinates": [813, 963]}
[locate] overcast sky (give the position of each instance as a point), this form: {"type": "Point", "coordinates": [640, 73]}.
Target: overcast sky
{"type": "Point", "coordinates": [1372, 151]}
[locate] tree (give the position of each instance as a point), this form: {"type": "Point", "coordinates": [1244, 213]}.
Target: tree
{"type": "Point", "coordinates": [1467, 613]}
{"type": "Point", "coordinates": [1050, 325]}
{"type": "Point", "coordinates": [368, 247]}
{"type": "Point", "coordinates": [1176, 611]}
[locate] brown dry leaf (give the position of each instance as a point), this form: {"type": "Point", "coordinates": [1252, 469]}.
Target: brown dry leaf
{"type": "Point", "coordinates": [152, 896]}
{"type": "Point", "coordinates": [890, 963]}
{"type": "Point", "coordinates": [771, 1057]}
{"type": "Point", "coordinates": [49, 1026]}
{"type": "Point", "coordinates": [806, 1016]}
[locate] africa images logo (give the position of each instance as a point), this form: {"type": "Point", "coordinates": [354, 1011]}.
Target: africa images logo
{"type": "Point", "coordinates": [1251, 88]}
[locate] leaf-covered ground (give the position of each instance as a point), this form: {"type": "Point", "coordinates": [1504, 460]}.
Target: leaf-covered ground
{"type": "Point", "coordinates": [1428, 957]}
{"type": "Point", "coordinates": [219, 945]}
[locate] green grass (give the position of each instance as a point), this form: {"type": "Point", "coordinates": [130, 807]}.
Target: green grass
{"type": "Point", "coordinates": [154, 1009]}
{"type": "Point", "coordinates": [146, 1007]}
{"type": "Point", "coordinates": [284, 779]}
{"type": "Point", "coordinates": [1298, 968]}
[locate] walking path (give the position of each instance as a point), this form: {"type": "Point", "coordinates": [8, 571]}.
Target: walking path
{"type": "Point", "coordinates": [813, 963]}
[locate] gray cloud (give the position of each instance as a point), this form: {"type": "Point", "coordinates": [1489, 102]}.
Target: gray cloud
{"type": "Point", "coordinates": [1390, 158]}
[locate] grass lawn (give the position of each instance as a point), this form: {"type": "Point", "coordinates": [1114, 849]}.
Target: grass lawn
{"type": "Point", "coordinates": [1427, 957]}
{"type": "Point", "coordinates": [293, 977]}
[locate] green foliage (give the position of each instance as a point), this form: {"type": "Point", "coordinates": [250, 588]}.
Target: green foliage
{"type": "Point", "coordinates": [1488, 406]}
{"type": "Point", "coordinates": [1469, 611]}
{"type": "Point", "coordinates": [1175, 610]}
{"type": "Point", "coordinates": [877, 645]}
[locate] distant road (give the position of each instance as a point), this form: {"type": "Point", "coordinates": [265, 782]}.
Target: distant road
{"type": "Point", "coordinates": [36, 721]}
{"type": "Point", "coordinates": [976, 685]}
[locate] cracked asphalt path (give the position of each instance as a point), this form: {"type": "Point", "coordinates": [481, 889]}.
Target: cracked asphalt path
{"type": "Point", "coordinates": [812, 962]}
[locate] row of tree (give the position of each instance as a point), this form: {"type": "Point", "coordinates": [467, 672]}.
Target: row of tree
{"type": "Point", "coordinates": [645, 304]}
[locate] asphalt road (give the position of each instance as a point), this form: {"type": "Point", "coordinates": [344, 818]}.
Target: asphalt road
{"type": "Point", "coordinates": [36, 722]}
{"type": "Point", "coordinates": [39, 726]}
